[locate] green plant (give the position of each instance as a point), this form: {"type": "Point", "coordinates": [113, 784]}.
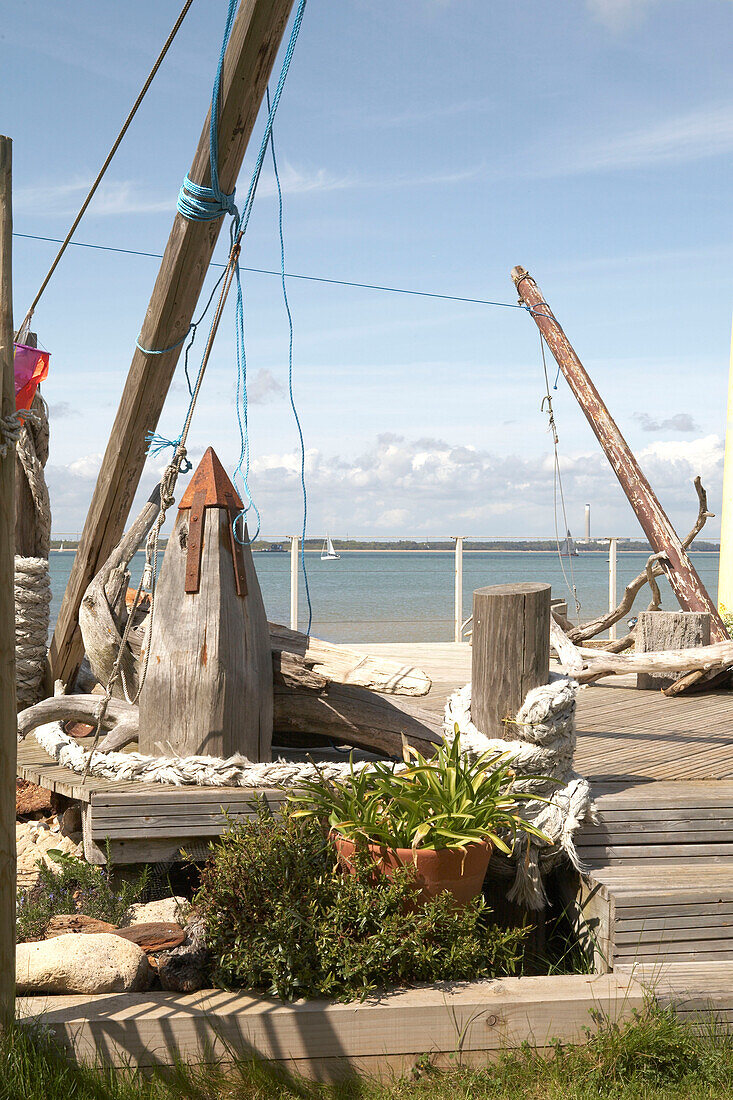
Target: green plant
{"type": "Point", "coordinates": [281, 918]}
{"type": "Point", "coordinates": [76, 887]}
{"type": "Point", "coordinates": [445, 802]}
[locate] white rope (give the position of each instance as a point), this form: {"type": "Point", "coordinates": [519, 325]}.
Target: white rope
{"type": "Point", "coordinates": [10, 427]}
{"type": "Point", "coordinates": [32, 585]}
{"type": "Point", "coordinates": [181, 771]}
{"type": "Point", "coordinates": [545, 745]}
{"type": "Point", "coordinates": [32, 610]}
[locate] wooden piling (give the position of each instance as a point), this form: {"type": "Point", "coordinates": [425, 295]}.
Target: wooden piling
{"type": "Point", "coordinates": [679, 570]}
{"type": "Point", "coordinates": [8, 728]}
{"type": "Point", "coordinates": [256, 34]}
{"type": "Point", "coordinates": [511, 651]}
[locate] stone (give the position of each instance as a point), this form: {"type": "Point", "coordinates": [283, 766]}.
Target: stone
{"type": "Point", "coordinates": [95, 963]}
{"type": "Point", "coordinates": [173, 910]}
{"type": "Point", "coordinates": [185, 969]}
{"type": "Point", "coordinates": [33, 839]}
{"type": "Point", "coordinates": [76, 923]}
{"type": "Point", "coordinates": [154, 936]}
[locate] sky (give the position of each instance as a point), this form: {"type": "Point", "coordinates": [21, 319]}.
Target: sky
{"type": "Point", "coordinates": [427, 145]}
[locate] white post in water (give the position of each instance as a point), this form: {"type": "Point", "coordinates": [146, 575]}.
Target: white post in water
{"type": "Point", "coordinates": [458, 589]}
{"type": "Point", "coordinates": [587, 523]}
{"type": "Point", "coordinates": [294, 540]}
{"type": "Point", "coordinates": [612, 601]}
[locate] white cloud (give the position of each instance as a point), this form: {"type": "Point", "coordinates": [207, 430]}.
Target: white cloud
{"type": "Point", "coordinates": [402, 486]}
{"type": "Point", "coordinates": [114, 197]}
{"type": "Point", "coordinates": [680, 422]}
{"type": "Point", "coordinates": [619, 14]}
{"type": "Point", "coordinates": [263, 387]}
{"type": "Point", "coordinates": [692, 135]}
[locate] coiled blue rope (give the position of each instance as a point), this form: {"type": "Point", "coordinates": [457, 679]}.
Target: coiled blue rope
{"type": "Point", "coordinates": [199, 203]}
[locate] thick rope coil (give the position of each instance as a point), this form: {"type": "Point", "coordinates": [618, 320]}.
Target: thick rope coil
{"type": "Point", "coordinates": [545, 745]}
{"type": "Point", "coordinates": [32, 581]}
{"type": "Point", "coordinates": [32, 609]}
{"type": "Point", "coordinates": [9, 432]}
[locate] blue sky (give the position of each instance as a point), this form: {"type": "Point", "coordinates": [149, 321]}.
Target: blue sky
{"type": "Point", "coordinates": [427, 144]}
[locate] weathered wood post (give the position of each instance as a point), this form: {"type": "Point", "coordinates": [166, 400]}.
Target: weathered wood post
{"type": "Point", "coordinates": [511, 651]}
{"type": "Point", "coordinates": [8, 727]}
{"type": "Point", "coordinates": [660, 630]}
{"type": "Point", "coordinates": [208, 688]}
{"type": "Point", "coordinates": [256, 34]}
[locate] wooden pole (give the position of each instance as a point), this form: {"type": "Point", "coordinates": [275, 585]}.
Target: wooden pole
{"type": "Point", "coordinates": [612, 601]}
{"type": "Point", "coordinates": [725, 566]}
{"type": "Point", "coordinates": [255, 38]}
{"type": "Point", "coordinates": [458, 590]}
{"type": "Point", "coordinates": [510, 652]}
{"type": "Point", "coordinates": [663, 539]}
{"type": "Point", "coordinates": [8, 727]}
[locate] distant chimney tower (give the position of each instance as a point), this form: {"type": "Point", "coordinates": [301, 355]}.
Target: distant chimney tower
{"type": "Point", "coordinates": [587, 523]}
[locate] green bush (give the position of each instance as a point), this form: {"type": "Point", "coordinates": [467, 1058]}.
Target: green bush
{"type": "Point", "coordinates": [75, 887]}
{"type": "Point", "coordinates": [282, 918]}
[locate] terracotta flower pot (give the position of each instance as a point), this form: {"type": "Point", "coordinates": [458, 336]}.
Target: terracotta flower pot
{"type": "Point", "coordinates": [460, 871]}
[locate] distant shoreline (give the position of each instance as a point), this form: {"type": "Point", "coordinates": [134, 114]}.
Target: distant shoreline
{"type": "Point", "coordinates": [430, 550]}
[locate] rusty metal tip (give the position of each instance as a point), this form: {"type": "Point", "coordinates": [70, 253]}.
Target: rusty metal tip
{"type": "Point", "coordinates": [211, 479]}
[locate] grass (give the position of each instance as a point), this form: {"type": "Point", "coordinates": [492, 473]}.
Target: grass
{"type": "Point", "coordinates": [655, 1056]}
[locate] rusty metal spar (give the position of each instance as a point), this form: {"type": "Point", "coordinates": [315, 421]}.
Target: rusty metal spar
{"type": "Point", "coordinates": [663, 539]}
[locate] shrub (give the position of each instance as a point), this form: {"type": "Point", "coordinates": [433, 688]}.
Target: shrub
{"type": "Point", "coordinates": [76, 887]}
{"type": "Point", "coordinates": [282, 918]}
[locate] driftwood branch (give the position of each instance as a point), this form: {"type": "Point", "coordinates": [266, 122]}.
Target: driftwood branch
{"type": "Point", "coordinates": [103, 612]}
{"type": "Point", "coordinates": [121, 719]}
{"type": "Point", "coordinates": [603, 622]}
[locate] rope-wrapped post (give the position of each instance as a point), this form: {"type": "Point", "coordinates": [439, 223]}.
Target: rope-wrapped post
{"type": "Point", "coordinates": [32, 544]}
{"type": "Point", "coordinates": [511, 651]}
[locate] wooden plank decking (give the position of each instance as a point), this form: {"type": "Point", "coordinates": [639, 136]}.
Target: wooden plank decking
{"type": "Point", "coordinates": [623, 734]}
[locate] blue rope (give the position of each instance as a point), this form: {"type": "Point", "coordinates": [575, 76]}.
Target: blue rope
{"type": "Point", "coordinates": [290, 373]}
{"type": "Point", "coordinates": [199, 203]}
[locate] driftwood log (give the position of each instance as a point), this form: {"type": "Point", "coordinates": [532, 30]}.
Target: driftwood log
{"type": "Point", "coordinates": [586, 665]}
{"type": "Point", "coordinates": [306, 702]}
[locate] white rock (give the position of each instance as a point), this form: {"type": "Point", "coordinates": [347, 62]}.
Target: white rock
{"type": "Point", "coordinates": [174, 910]}
{"type": "Point", "coordinates": [32, 841]}
{"type": "Point", "coordinates": [96, 963]}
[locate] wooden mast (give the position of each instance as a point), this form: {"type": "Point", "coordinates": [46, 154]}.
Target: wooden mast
{"type": "Point", "coordinates": [679, 570]}
{"type": "Point", "coordinates": [8, 726]}
{"type": "Point", "coordinates": [725, 567]}
{"type": "Point", "coordinates": [253, 45]}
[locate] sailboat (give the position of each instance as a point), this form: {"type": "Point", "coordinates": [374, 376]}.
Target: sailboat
{"type": "Point", "coordinates": [328, 553]}
{"type": "Point", "coordinates": [568, 549]}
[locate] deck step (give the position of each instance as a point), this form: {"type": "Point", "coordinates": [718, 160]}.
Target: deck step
{"type": "Point", "coordinates": [701, 991]}
{"type": "Point", "coordinates": [653, 822]}
{"type": "Point", "coordinates": [658, 886]}
{"type": "Point", "coordinates": [657, 911]}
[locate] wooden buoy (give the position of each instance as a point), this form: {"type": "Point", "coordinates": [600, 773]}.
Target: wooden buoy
{"type": "Point", "coordinates": [510, 654]}
{"type": "Point", "coordinates": [208, 688]}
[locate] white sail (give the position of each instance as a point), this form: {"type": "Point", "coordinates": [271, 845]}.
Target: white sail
{"type": "Point", "coordinates": [328, 553]}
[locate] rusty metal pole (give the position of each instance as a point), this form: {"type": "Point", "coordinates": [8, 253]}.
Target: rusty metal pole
{"type": "Point", "coordinates": [663, 539]}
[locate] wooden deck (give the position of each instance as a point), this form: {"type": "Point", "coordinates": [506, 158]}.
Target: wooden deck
{"type": "Point", "coordinates": [625, 737]}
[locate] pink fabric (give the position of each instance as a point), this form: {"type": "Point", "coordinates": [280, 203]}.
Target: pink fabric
{"type": "Point", "coordinates": [31, 367]}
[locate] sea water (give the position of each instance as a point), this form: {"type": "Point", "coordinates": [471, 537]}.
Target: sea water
{"type": "Point", "coordinates": [395, 596]}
